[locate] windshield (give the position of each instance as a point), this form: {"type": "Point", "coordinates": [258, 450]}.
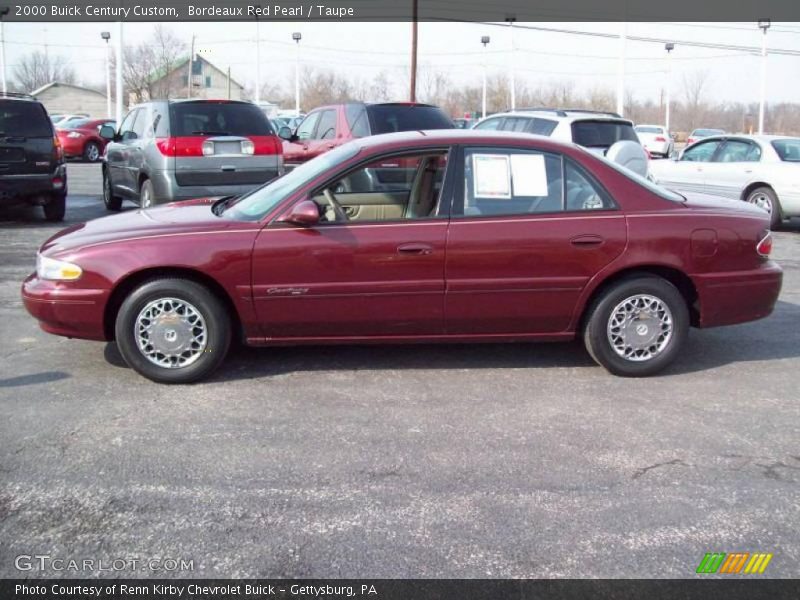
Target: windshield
{"type": "Point", "coordinates": [643, 181]}
{"type": "Point", "coordinates": [20, 118]}
{"type": "Point", "coordinates": [254, 205]}
{"type": "Point", "coordinates": [645, 129]}
{"type": "Point", "coordinates": [602, 133]}
{"type": "Point", "coordinates": [788, 150]}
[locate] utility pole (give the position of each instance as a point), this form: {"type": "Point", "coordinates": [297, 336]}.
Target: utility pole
{"type": "Point", "coordinates": [623, 49]}
{"type": "Point", "coordinates": [3, 12]}
{"type": "Point", "coordinates": [485, 41]}
{"type": "Point", "coordinates": [413, 93]}
{"type": "Point", "coordinates": [119, 73]}
{"type": "Point", "coordinates": [229, 83]}
{"type": "Point", "coordinates": [669, 47]}
{"type": "Point", "coordinates": [297, 36]}
{"type": "Point", "coordinates": [258, 58]}
{"type": "Point", "coordinates": [106, 35]}
{"type": "Point", "coordinates": [510, 19]}
{"type": "Point", "coordinates": [191, 71]}
{"type": "Point", "coordinates": [764, 24]}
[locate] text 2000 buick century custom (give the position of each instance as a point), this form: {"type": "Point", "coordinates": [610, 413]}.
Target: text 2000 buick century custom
{"type": "Point", "coordinates": [422, 236]}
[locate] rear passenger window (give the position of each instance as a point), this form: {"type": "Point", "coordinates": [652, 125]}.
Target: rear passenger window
{"type": "Point", "coordinates": [582, 192]}
{"type": "Point", "coordinates": [511, 182]}
{"type": "Point", "coordinates": [490, 124]}
{"type": "Point", "coordinates": [541, 126]}
{"type": "Point", "coordinates": [326, 129]}
{"type": "Point", "coordinates": [356, 115]}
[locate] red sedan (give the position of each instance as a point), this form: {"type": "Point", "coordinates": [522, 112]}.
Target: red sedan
{"type": "Point", "coordinates": [82, 139]}
{"type": "Point", "coordinates": [471, 237]}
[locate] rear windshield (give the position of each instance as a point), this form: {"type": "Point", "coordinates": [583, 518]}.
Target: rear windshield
{"type": "Point", "coordinates": [707, 132]}
{"type": "Point", "coordinates": [77, 123]}
{"type": "Point", "coordinates": [388, 118]}
{"type": "Point", "coordinates": [602, 134]}
{"type": "Point", "coordinates": [641, 129]}
{"type": "Point", "coordinates": [788, 150]}
{"type": "Point", "coordinates": [24, 119]}
{"type": "Point", "coordinates": [218, 118]}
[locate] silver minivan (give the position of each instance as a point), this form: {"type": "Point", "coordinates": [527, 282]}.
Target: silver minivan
{"type": "Point", "coordinates": [168, 150]}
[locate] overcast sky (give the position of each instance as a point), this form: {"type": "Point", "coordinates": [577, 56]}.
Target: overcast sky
{"type": "Point", "coordinates": [365, 49]}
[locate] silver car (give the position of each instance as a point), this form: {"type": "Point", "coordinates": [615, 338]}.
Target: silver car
{"type": "Point", "coordinates": [169, 150]}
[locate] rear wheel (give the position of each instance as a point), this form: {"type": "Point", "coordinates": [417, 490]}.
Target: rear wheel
{"type": "Point", "coordinates": [146, 194]}
{"type": "Point", "coordinates": [91, 152]}
{"type": "Point", "coordinates": [56, 207]}
{"type": "Point", "coordinates": [637, 327]}
{"type": "Point", "coordinates": [173, 331]}
{"type": "Point", "coordinates": [766, 198]}
{"type": "Point", "coordinates": [111, 201]}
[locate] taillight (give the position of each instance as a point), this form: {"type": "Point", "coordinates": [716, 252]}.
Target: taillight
{"type": "Point", "coordinates": [690, 141]}
{"type": "Point", "coordinates": [58, 151]}
{"type": "Point", "coordinates": [264, 144]}
{"type": "Point", "coordinates": [660, 139]}
{"type": "Point", "coordinates": [764, 247]}
{"type": "Point", "coordinates": [181, 146]}
{"type": "Point", "coordinates": [166, 146]}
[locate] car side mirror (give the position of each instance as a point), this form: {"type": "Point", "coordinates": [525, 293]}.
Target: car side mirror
{"type": "Point", "coordinates": [285, 133]}
{"type": "Point", "coordinates": [304, 214]}
{"type": "Point", "coordinates": [107, 132]}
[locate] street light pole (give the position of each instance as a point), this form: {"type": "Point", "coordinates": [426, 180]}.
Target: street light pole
{"type": "Point", "coordinates": [669, 46]}
{"type": "Point", "coordinates": [258, 59]}
{"type": "Point", "coordinates": [297, 36]}
{"type": "Point", "coordinates": [623, 49]}
{"type": "Point", "coordinates": [485, 41]}
{"type": "Point", "coordinates": [764, 24]}
{"type": "Point", "coordinates": [119, 72]}
{"type": "Point", "coordinates": [510, 20]}
{"type": "Point", "coordinates": [3, 12]}
{"type": "Point", "coordinates": [106, 35]}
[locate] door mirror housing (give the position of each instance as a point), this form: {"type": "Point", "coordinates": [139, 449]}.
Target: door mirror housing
{"type": "Point", "coordinates": [304, 214]}
{"type": "Point", "coordinates": [285, 133]}
{"type": "Point", "coordinates": [107, 132]}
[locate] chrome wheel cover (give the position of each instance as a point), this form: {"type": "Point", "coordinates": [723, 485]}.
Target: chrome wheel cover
{"type": "Point", "coordinates": [146, 200]}
{"type": "Point", "coordinates": [170, 333]}
{"type": "Point", "coordinates": [640, 327]}
{"type": "Point", "coordinates": [94, 153]}
{"type": "Point", "coordinates": [762, 201]}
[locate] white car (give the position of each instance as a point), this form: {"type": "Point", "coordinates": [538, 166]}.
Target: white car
{"type": "Point", "coordinates": [761, 169]}
{"type": "Point", "coordinates": [655, 139]}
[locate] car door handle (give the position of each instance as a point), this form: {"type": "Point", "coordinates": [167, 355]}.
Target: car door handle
{"type": "Point", "coordinates": [586, 241]}
{"type": "Point", "coordinates": [418, 249]}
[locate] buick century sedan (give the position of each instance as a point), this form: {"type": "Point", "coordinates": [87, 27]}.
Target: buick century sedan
{"type": "Point", "coordinates": [432, 236]}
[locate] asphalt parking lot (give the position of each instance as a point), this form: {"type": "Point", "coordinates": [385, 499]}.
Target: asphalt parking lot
{"type": "Point", "coordinates": [430, 461]}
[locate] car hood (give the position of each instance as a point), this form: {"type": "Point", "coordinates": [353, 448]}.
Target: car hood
{"type": "Point", "coordinates": [170, 219]}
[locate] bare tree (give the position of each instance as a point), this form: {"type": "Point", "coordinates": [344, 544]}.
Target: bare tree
{"type": "Point", "coordinates": [694, 85]}
{"type": "Point", "coordinates": [39, 68]}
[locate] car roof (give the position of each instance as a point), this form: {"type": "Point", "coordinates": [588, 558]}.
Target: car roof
{"type": "Point", "coordinates": [754, 137]}
{"type": "Point", "coordinates": [565, 115]}
{"type": "Point", "coordinates": [432, 137]}
{"type": "Point", "coordinates": [649, 125]}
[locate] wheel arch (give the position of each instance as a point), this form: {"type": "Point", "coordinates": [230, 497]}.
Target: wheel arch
{"type": "Point", "coordinates": [675, 276]}
{"type": "Point", "coordinates": [136, 278]}
{"type": "Point", "coordinates": [752, 186]}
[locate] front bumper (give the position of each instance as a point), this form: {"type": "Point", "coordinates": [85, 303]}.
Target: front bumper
{"type": "Point", "coordinates": [738, 297]}
{"type": "Point", "coordinates": [62, 310]}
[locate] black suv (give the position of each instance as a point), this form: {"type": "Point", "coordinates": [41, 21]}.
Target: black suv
{"type": "Point", "coordinates": [32, 168]}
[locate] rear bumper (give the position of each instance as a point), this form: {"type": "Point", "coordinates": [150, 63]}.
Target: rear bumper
{"type": "Point", "coordinates": [738, 297]}
{"type": "Point", "coordinates": [60, 310]}
{"type": "Point", "coordinates": [14, 188]}
{"type": "Point", "coordinates": [166, 188]}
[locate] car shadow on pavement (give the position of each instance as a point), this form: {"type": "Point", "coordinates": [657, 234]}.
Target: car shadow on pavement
{"type": "Point", "coordinates": [776, 337]}
{"type": "Point", "coordinates": [33, 379]}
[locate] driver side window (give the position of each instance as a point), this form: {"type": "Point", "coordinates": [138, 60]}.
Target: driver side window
{"type": "Point", "coordinates": [407, 186]}
{"type": "Point", "coordinates": [306, 128]}
{"type": "Point", "coordinates": [701, 152]}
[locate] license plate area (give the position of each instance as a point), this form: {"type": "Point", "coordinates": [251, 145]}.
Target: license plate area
{"type": "Point", "coordinates": [212, 148]}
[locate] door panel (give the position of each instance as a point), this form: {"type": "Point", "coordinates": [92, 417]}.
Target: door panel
{"type": "Point", "coordinates": [350, 280]}
{"type": "Point", "coordinates": [732, 168]}
{"type": "Point", "coordinates": [524, 274]}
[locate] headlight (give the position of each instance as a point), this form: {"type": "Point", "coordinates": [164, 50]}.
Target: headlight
{"type": "Point", "coordinates": [74, 134]}
{"type": "Point", "coordinates": [59, 270]}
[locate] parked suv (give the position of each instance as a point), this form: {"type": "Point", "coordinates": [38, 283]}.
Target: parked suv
{"type": "Point", "coordinates": [597, 131]}
{"type": "Point", "coordinates": [326, 127]}
{"type": "Point", "coordinates": [169, 150]}
{"type": "Point", "coordinates": [32, 168]}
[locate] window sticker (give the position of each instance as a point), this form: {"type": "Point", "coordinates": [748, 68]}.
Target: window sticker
{"type": "Point", "coordinates": [529, 175]}
{"type": "Point", "coordinates": [491, 176]}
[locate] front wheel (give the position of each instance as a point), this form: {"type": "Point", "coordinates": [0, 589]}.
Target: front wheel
{"type": "Point", "coordinates": [173, 331]}
{"type": "Point", "coordinates": [766, 198]}
{"type": "Point", "coordinates": [637, 327]}
{"type": "Point", "coordinates": [112, 202]}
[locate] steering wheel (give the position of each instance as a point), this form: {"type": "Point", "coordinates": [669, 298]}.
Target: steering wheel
{"type": "Point", "coordinates": [337, 208]}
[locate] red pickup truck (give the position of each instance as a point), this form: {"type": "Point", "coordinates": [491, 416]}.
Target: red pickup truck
{"type": "Point", "coordinates": [326, 127]}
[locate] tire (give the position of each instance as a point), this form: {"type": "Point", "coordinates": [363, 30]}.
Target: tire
{"type": "Point", "coordinates": [91, 152]}
{"type": "Point", "coordinates": [146, 199]}
{"type": "Point", "coordinates": [56, 208]}
{"type": "Point", "coordinates": [643, 360]}
{"type": "Point", "coordinates": [206, 314]}
{"type": "Point", "coordinates": [766, 198]}
{"type": "Point", "coordinates": [112, 202]}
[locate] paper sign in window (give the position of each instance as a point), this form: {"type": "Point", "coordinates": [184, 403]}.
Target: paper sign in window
{"type": "Point", "coordinates": [492, 176]}
{"type": "Point", "coordinates": [529, 175]}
